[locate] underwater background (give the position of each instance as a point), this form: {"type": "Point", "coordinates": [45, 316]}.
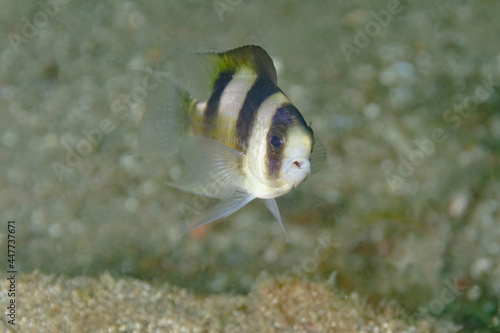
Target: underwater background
{"type": "Point", "coordinates": [399, 231]}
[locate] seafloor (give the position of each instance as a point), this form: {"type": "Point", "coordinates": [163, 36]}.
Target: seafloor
{"type": "Point", "coordinates": [399, 232]}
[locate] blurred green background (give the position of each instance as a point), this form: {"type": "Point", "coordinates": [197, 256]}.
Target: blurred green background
{"type": "Point", "coordinates": [403, 94]}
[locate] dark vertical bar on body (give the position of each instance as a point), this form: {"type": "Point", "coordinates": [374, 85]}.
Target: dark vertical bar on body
{"type": "Point", "coordinates": [260, 91]}
{"type": "Point", "coordinates": [212, 108]}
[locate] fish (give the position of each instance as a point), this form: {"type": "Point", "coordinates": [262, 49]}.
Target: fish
{"type": "Point", "coordinates": [234, 129]}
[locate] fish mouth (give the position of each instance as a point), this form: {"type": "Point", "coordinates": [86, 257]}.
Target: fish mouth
{"type": "Point", "coordinates": [296, 169]}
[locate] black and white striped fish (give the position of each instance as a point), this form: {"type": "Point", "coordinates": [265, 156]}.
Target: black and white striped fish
{"type": "Point", "coordinates": [246, 140]}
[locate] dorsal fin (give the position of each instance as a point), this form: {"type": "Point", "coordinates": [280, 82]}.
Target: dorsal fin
{"type": "Point", "coordinates": [196, 72]}
{"type": "Point", "coordinates": [251, 56]}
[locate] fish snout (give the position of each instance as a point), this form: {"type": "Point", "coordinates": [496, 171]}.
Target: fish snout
{"type": "Point", "coordinates": [302, 164]}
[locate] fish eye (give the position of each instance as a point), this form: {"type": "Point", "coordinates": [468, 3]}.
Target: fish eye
{"type": "Point", "coordinates": [275, 139]}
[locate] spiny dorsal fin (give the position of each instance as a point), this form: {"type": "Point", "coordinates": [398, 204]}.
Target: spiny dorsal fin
{"type": "Point", "coordinates": [251, 56]}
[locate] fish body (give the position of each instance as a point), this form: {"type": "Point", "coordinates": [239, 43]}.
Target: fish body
{"type": "Point", "coordinates": [245, 141]}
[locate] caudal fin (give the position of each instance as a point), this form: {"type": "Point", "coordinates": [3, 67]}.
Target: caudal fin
{"type": "Point", "coordinates": [165, 121]}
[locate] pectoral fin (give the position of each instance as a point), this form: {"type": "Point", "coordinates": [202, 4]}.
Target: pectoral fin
{"type": "Point", "coordinates": [318, 156]}
{"type": "Point", "coordinates": [215, 165]}
{"type": "Point", "coordinates": [190, 184]}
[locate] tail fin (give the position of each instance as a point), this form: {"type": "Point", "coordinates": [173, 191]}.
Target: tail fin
{"type": "Point", "coordinates": [165, 121]}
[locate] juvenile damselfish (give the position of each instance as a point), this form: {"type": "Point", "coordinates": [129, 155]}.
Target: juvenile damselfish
{"type": "Point", "coordinates": [243, 140]}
